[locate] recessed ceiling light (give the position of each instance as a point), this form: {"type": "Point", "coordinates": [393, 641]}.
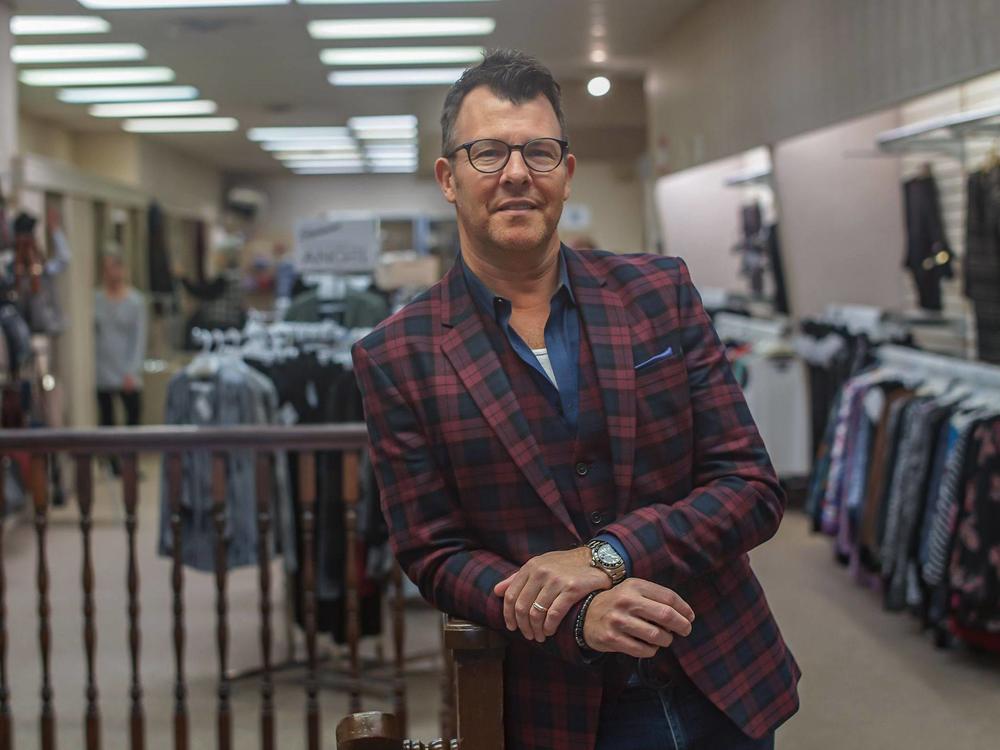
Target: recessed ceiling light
{"type": "Point", "coordinates": [599, 86]}
{"type": "Point", "coordinates": [598, 56]}
{"type": "Point", "coordinates": [153, 4]}
{"type": "Point", "coordinates": [399, 28]}
{"type": "Point", "coordinates": [76, 53]}
{"type": "Point", "coordinates": [598, 30]}
{"type": "Point", "coordinates": [127, 94]}
{"type": "Point", "coordinates": [383, 122]}
{"type": "Point", "coordinates": [153, 109]}
{"type": "Point", "coordinates": [383, 2]}
{"type": "Point", "coordinates": [298, 133]}
{"type": "Point", "coordinates": [95, 76]}
{"type": "Point", "coordinates": [182, 125]}
{"type": "Point", "coordinates": [46, 25]}
{"type": "Point", "coordinates": [293, 147]}
{"type": "Point", "coordinates": [397, 77]}
{"type": "Point", "coordinates": [400, 55]}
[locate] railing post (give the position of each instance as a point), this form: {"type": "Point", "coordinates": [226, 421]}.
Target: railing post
{"type": "Point", "coordinates": [225, 718]}
{"type": "Point", "coordinates": [265, 476]}
{"type": "Point", "coordinates": [177, 596]}
{"type": "Point", "coordinates": [85, 498]}
{"type": "Point", "coordinates": [137, 721]}
{"type": "Point", "coordinates": [350, 495]}
{"type": "Point", "coordinates": [478, 654]}
{"type": "Point", "coordinates": [307, 501]}
{"type": "Point", "coordinates": [47, 718]}
{"type": "Point", "coordinates": [6, 734]}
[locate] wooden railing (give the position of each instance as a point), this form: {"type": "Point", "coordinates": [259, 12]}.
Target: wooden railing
{"type": "Point", "coordinates": [477, 675]}
{"type": "Point", "coordinates": [172, 442]}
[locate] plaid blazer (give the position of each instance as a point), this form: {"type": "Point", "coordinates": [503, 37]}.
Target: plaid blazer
{"type": "Point", "coordinates": [468, 499]}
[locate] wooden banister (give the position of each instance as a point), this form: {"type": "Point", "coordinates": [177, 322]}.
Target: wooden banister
{"type": "Point", "coordinates": [477, 653]}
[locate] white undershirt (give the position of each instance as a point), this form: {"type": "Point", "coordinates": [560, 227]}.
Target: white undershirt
{"type": "Point", "coordinates": [542, 355]}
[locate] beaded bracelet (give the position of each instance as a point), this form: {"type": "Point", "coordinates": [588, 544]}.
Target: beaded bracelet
{"type": "Point", "coordinates": [578, 630]}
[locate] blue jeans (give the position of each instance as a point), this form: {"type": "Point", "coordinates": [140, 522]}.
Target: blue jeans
{"type": "Point", "coordinates": [676, 717]}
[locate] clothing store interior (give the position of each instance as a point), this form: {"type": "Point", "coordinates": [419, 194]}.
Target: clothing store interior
{"type": "Point", "coordinates": [205, 205]}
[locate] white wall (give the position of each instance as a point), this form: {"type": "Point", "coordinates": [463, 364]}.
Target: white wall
{"type": "Point", "coordinates": [613, 195]}
{"type": "Point", "coordinates": [841, 218]}
{"type": "Point", "coordinates": [8, 97]}
{"type": "Point", "coordinates": [734, 74]}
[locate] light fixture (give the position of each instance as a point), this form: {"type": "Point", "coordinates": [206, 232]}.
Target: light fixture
{"type": "Point", "coordinates": [159, 4]}
{"type": "Point", "coordinates": [348, 156]}
{"type": "Point", "coordinates": [76, 53]}
{"type": "Point", "coordinates": [397, 77]}
{"type": "Point", "coordinates": [94, 76]}
{"type": "Point", "coordinates": [384, 2]}
{"type": "Point", "coordinates": [291, 147]}
{"type": "Point", "coordinates": [401, 55]}
{"type": "Point", "coordinates": [383, 122]}
{"type": "Point", "coordinates": [598, 56]}
{"type": "Point", "coordinates": [153, 109]}
{"type": "Point", "coordinates": [394, 168]}
{"type": "Point", "coordinates": [52, 25]}
{"type": "Point", "coordinates": [392, 154]}
{"type": "Point", "coordinates": [400, 28]}
{"type": "Point", "coordinates": [329, 170]}
{"type": "Point", "coordinates": [598, 86]}
{"type": "Point", "coordinates": [182, 125]}
{"type": "Point", "coordinates": [127, 94]}
{"type": "Point", "coordinates": [298, 134]}
{"type": "Point", "coordinates": [406, 136]}
{"type": "Point", "coordinates": [320, 163]}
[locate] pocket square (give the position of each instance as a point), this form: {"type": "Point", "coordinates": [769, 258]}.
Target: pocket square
{"type": "Point", "coordinates": [662, 355]}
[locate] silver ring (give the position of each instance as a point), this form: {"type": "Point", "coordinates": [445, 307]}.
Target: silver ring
{"type": "Point", "coordinates": [539, 607]}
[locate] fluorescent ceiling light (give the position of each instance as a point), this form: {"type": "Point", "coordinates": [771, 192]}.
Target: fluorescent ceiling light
{"type": "Point", "coordinates": [182, 125]}
{"type": "Point", "coordinates": [45, 25]}
{"type": "Point", "coordinates": [127, 94]}
{"type": "Point", "coordinates": [401, 55]}
{"type": "Point", "coordinates": [95, 76]}
{"type": "Point", "coordinates": [346, 144]}
{"type": "Point", "coordinates": [397, 77]}
{"type": "Point", "coordinates": [400, 28]}
{"type": "Point", "coordinates": [345, 156]}
{"type": "Point", "coordinates": [394, 168]}
{"type": "Point", "coordinates": [398, 153]}
{"type": "Point", "coordinates": [383, 122]}
{"type": "Point", "coordinates": [329, 170]}
{"type": "Point", "coordinates": [152, 4]}
{"type": "Point", "coordinates": [154, 109]}
{"type": "Point", "coordinates": [383, 2]}
{"type": "Point", "coordinates": [327, 163]}
{"type": "Point", "coordinates": [296, 134]}
{"type": "Point", "coordinates": [406, 136]}
{"type": "Point", "coordinates": [76, 53]}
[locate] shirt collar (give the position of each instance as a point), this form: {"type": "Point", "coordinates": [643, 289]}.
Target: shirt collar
{"type": "Point", "coordinates": [488, 301]}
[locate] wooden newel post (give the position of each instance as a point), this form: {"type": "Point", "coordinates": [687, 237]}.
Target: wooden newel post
{"type": "Point", "coordinates": [478, 657]}
{"type": "Point", "coordinates": [371, 730]}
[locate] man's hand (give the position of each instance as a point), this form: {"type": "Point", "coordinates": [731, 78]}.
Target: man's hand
{"type": "Point", "coordinates": [636, 617]}
{"type": "Point", "coordinates": [557, 581]}
{"type": "Point", "coordinates": [128, 384]}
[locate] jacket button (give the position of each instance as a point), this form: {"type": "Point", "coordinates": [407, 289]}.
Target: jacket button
{"type": "Point", "coordinates": [597, 518]}
{"type": "Point", "coordinates": [582, 469]}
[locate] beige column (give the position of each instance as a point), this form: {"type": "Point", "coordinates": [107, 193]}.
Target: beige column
{"type": "Point", "coordinates": [8, 98]}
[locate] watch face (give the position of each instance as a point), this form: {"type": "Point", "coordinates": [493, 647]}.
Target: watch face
{"type": "Point", "coordinates": [607, 556]}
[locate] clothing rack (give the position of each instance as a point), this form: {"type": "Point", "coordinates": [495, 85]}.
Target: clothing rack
{"type": "Point", "coordinates": [750, 330]}
{"type": "Point", "coordinates": [939, 366]}
{"type": "Point", "coordinates": [951, 130]}
{"type": "Point", "coordinates": [756, 176]}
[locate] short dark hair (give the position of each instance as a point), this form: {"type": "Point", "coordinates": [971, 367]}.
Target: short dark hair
{"type": "Point", "coordinates": [510, 74]}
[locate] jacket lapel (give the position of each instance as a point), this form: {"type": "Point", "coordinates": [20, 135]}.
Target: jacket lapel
{"type": "Point", "coordinates": [608, 331]}
{"type": "Point", "coordinates": [470, 352]}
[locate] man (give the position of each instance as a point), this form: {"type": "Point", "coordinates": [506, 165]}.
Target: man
{"type": "Point", "coordinates": [120, 339]}
{"type": "Point", "coordinates": [539, 399]}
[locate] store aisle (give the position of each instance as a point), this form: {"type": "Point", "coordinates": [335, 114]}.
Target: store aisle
{"type": "Point", "coordinates": [870, 678]}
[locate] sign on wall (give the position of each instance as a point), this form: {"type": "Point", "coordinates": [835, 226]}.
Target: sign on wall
{"type": "Point", "coordinates": [337, 244]}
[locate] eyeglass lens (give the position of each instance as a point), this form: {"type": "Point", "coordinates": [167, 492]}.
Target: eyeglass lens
{"type": "Point", "coordinates": [541, 154]}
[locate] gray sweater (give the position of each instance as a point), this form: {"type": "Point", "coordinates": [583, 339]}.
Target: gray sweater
{"type": "Point", "coordinates": [120, 338]}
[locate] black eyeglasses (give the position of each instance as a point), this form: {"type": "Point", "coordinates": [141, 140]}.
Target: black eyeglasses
{"type": "Point", "coordinates": [489, 155]}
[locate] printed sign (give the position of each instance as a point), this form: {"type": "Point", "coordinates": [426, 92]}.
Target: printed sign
{"type": "Point", "coordinates": [334, 244]}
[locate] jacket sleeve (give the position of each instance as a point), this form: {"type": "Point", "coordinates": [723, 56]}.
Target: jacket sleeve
{"type": "Point", "coordinates": [426, 526]}
{"type": "Point", "coordinates": [736, 502]}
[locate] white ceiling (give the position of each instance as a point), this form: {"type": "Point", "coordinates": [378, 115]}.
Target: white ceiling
{"type": "Point", "coordinates": [261, 66]}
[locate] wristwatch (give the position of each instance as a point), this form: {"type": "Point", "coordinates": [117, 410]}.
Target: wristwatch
{"type": "Point", "coordinates": [605, 557]}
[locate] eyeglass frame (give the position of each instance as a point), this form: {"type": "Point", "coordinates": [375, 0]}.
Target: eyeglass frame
{"type": "Point", "coordinates": [511, 148]}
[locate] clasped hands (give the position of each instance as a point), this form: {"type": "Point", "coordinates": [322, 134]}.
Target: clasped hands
{"type": "Point", "coordinates": [636, 617]}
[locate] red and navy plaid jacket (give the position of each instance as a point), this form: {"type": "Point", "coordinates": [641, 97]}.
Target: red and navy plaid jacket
{"type": "Point", "coordinates": [468, 499]}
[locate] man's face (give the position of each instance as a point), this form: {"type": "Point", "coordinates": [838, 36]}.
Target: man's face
{"type": "Point", "coordinates": [113, 269]}
{"type": "Point", "coordinates": [514, 209]}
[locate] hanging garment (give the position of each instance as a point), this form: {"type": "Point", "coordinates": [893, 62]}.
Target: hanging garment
{"type": "Point", "coordinates": [161, 276]}
{"type": "Point", "coordinates": [982, 259]}
{"type": "Point", "coordinates": [928, 254]}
